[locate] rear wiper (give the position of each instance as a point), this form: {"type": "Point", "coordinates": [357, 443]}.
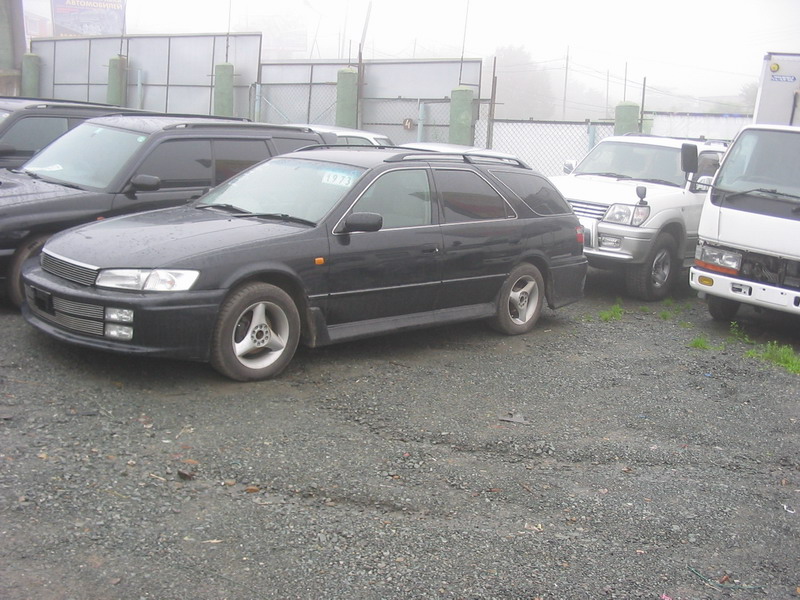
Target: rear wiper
{"type": "Point", "coordinates": [280, 217]}
{"type": "Point", "coordinates": [226, 207]}
{"type": "Point", "coordinates": [617, 175]}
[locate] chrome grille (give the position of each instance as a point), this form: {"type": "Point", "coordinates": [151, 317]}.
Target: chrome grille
{"type": "Point", "coordinates": [76, 316]}
{"type": "Point", "coordinates": [81, 274]}
{"type": "Point", "coordinates": [588, 209]}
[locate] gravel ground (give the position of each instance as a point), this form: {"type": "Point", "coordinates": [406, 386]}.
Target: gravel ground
{"type": "Point", "coordinates": [589, 459]}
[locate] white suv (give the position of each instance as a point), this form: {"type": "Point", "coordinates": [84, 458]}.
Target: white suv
{"type": "Point", "coordinates": [640, 206]}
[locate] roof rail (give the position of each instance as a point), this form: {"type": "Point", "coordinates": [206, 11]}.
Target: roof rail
{"type": "Point", "coordinates": [467, 157]}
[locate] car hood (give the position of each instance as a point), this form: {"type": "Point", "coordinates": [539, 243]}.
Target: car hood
{"type": "Point", "coordinates": [608, 190]}
{"type": "Point", "coordinates": [17, 188]}
{"type": "Point", "coordinates": [169, 237]}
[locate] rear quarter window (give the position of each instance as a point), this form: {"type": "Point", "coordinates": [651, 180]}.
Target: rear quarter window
{"type": "Point", "coordinates": [535, 191]}
{"type": "Point", "coordinates": [468, 197]}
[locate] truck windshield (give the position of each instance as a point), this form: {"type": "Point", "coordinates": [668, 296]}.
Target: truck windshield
{"type": "Point", "coordinates": [89, 156]}
{"type": "Point", "coordinates": [634, 161]}
{"type": "Point", "coordinates": [764, 160]}
{"type": "Point", "coordinates": [290, 187]}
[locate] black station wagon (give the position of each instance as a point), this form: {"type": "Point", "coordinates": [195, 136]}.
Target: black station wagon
{"type": "Point", "coordinates": [318, 246]}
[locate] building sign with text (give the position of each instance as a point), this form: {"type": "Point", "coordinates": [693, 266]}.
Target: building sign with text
{"type": "Point", "coordinates": [88, 17]}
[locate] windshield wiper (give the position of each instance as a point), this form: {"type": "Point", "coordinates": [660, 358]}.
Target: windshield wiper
{"type": "Point", "coordinates": [617, 175]}
{"type": "Point", "coordinates": [31, 174]}
{"type": "Point", "coordinates": [280, 217]}
{"type": "Point", "coordinates": [659, 181]}
{"type": "Point", "coordinates": [772, 191]}
{"type": "Point", "coordinates": [225, 207]}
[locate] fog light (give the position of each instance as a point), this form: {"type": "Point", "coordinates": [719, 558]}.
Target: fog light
{"type": "Point", "coordinates": [119, 332]}
{"type": "Point", "coordinates": [703, 280]}
{"type": "Point", "coordinates": [609, 241]}
{"type": "Point", "coordinates": [120, 315]}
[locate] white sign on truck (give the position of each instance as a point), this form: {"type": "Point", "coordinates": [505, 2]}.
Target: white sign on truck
{"type": "Point", "coordinates": [778, 100]}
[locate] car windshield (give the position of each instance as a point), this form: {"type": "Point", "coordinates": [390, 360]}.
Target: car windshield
{"type": "Point", "coordinates": [762, 161]}
{"type": "Point", "coordinates": [293, 187]}
{"type": "Point", "coordinates": [643, 162]}
{"type": "Point", "coordinates": [88, 156]}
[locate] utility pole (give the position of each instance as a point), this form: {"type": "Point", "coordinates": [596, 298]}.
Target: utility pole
{"type": "Point", "coordinates": [564, 102]}
{"type": "Point", "coordinates": [641, 110]}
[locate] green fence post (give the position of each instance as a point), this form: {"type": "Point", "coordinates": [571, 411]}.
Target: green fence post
{"type": "Point", "coordinates": [347, 97]}
{"type": "Point", "coordinates": [626, 118]}
{"type": "Point", "coordinates": [223, 90]}
{"type": "Point", "coordinates": [117, 89]}
{"type": "Point", "coordinates": [31, 68]}
{"type": "Point", "coordinates": [462, 123]}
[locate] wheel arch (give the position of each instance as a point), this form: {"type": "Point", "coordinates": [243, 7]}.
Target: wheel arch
{"type": "Point", "coordinates": [290, 283]}
{"type": "Point", "coordinates": [540, 262]}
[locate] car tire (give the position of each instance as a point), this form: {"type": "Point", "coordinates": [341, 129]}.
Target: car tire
{"type": "Point", "coordinates": [15, 292]}
{"type": "Point", "coordinates": [256, 334]}
{"type": "Point", "coordinates": [520, 301]}
{"type": "Point", "coordinates": [654, 278]}
{"type": "Point", "coordinates": [722, 309]}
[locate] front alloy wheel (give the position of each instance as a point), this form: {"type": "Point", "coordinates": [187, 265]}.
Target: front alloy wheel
{"type": "Point", "coordinates": [520, 302]}
{"type": "Point", "coordinates": [257, 333]}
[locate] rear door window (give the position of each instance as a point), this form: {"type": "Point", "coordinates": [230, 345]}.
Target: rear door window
{"type": "Point", "coordinates": [535, 191]}
{"type": "Point", "coordinates": [466, 196]}
{"type": "Point", "coordinates": [33, 133]}
{"type": "Point", "coordinates": [180, 163]}
{"type": "Point", "coordinates": [286, 144]}
{"type": "Point", "coordinates": [233, 156]}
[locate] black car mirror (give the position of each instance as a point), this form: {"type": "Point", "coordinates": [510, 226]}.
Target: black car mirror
{"type": "Point", "coordinates": [689, 158]}
{"type": "Point", "coordinates": [145, 183]}
{"type": "Point", "coordinates": [362, 221]}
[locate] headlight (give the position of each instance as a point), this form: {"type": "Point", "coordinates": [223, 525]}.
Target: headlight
{"type": "Point", "coordinates": [153, 280]}
{"type": "Point", "coordinates": [719, 259]}
{"type": "Point", "coordinates": [627, 214]}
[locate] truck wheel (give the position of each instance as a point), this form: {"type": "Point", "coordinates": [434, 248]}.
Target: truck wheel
{"type": "Point", "coordinates": [30, 247]}
{"type": "Point", "coordinates": [520, 301]}
{"type": "Point", "coordinates": [653, 279]}
{"type": "Point", "coordinates": [257, 332]}
{"type": "Point", "coordinates": [722, 309]}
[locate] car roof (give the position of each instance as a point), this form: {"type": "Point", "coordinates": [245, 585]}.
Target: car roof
{"type": "Point", "coordinates": [18, 103]}
{"type": "Point", "coordinates": [369, 157]}
{"type": "Point", "coordinates": [667, 142]}
{"type": "Point", "coordinates": [151, 123]}
{"type": "Point", "coordinates": [341, 130]}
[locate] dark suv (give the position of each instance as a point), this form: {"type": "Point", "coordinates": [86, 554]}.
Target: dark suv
{"type": "Point", "coordinates": [320, 246]}
{"type": "Point", "coordinates": [121, 164]}
{"type": "Point", "coordinates": [28, 124]}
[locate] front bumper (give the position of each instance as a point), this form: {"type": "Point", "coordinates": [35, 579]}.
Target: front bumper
{"type": "Point", "coordinates": [634, 243]}
{"type": "Point", "coordinates": [747, 292]}
{"type": "Point", "coordinates": [168, 324]}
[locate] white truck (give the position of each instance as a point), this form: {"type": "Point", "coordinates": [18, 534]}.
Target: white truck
{"type": "Point", "coordinates": [778, 100]}
{"type": "Point", "coordinates": [749, 250]}
{"type": "Point", "coordinates": [639, 199]}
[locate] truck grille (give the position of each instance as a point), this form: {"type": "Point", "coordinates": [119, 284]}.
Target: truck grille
{"type": "Point", "coordinates": [771, 270]}
{"type": "Point", "coordinates": [66, 269]}
{"type": "Point", "coordinates": [588, 209]}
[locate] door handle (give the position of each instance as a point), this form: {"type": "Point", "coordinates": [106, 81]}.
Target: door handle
{"type": "Point", "coordinates": [430, 249]}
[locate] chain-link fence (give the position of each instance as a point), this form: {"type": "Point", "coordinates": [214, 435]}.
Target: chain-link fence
{"type": "Point", "coordinates": [294, 103]}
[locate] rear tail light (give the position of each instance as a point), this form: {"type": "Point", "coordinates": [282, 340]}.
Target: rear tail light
{"type": "Point", "coordinates": [579, 234]}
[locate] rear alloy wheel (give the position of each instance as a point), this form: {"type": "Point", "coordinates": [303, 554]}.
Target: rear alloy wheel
{"type": "Point", "coordinates": [257, 333]}
{"type": "Point", "coordinates": [722, 309]}
{"type": "Point", "coordinates": [14, 288]}
{"type": "Point", "coordinates": [520, 301]}
{"type": "Point", "coordinates": [653, 279]}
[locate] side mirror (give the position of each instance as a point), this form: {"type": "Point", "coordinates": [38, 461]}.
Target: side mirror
{"type": "Point", "coordinates": [688, 158]}
{"type": "Point", "coordinates": [362, 221]}
{"type": "Point", "coordinates": [569, 166]}
{"type": "Point", "coordinates": [145, 183]}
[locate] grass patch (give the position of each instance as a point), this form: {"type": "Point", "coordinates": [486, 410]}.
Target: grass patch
{"type": "Point", "coordinates": [701, 343]}
{"type": "Point", "coordinates": [738, 333]}
{"type": "Point", "coordinates": [612, 314]}
{"type": "Point", "coordinates": [665, 315]}
{"type": "Point", "coordinates": [782, 355]}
